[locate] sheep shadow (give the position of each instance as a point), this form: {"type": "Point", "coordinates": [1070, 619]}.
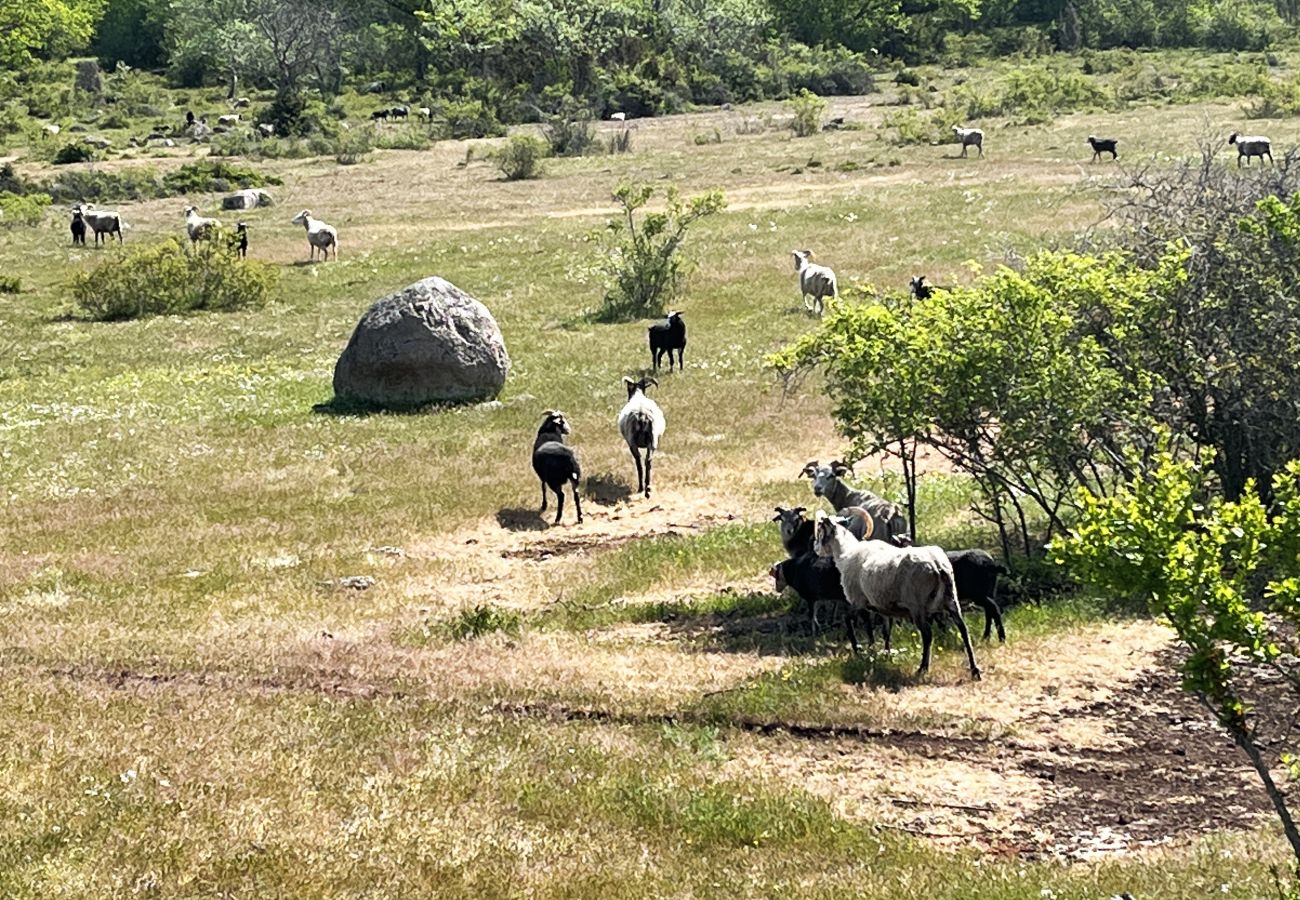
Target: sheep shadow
{"type": "Point", "coordinates": [607, 490]}
{"type": "Point", "coordinates": [519, 518]}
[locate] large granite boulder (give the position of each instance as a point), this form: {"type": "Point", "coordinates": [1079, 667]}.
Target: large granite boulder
{"type": "Point", "coordinates": [428, 343]}
{"type": "Point", "coordinates": [250, 198]}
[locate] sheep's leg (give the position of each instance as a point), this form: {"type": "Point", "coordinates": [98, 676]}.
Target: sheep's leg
{"type": "Point", "coordinates": [887, 626]}
{"type": "Point", "coordinates": [980, 147]}
{"type": "Point", "coordinates": [965, 639]}
{"type": "Point", "coordinates": [559, 504]}
{"type": "Point", "coordinates": [649, 460]}
{"type": "Point", "coordinates": [543, 509]}
{"type": "Point", "coordinates": [640, 483]}
{"type": "Point", "coordinates": [927, 638]}
{"type": "Point", "coordinates": [853, 637]}
{"type": "Point", "coordinates": [577, 504]}
{"type": "Point", "coordinates": [997, 618]}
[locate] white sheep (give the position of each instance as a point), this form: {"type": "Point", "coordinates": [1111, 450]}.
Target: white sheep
{"type": "Point", "coordinates": [319, 235]}
{"type": "Point", "coordinates": [913, 583]}
{"type": "Point", "coordinates": [641, 422]}
{"type": "Point", "coordinates": [266, 129]}
{"type": "Point", "coordinates": [228, 120]}
{"type": "Point", "coordinates": [1251, 145]}
{"type": "Point", "coordinates": [815, 281]}
{"type": "Point", "coordinates": [101, 222]}
{"type": "Point", "coordinates": [198, 227]}
{"type": "Point", "coordinates": [969, 137]}
{"type": "Point", "coordinates": [618, 117]}
{"type": "Point", "coordinates": [887, 520]}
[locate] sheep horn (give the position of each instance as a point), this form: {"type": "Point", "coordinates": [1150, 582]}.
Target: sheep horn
{"type": "Point", "coordinates": [799, 509]}
{"type": "Point", "coordinates": [808, 468]}
{"type": "Point", "coordinates": [646, 382]}
{"type": "Point", "coordinates": [868, 527]}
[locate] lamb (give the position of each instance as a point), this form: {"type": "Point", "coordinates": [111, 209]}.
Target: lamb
{"type": "Point", "coordinates": [381, 114]}
{"type": "Point", "coordinates": [913, 583]}
{"type": "Point", "coordinates": [1248, 146]}
{"type": "Point", "coordinates": [319, 235]}
{"type": "Point", "coordinates": [1102, 145]}
{"type": "Point", "coordinates": [240, 239]}
{"type": "Point", "coordinates": [977, 582]}
{"type": "Point", "coordinates": [425, 113]}
{"type": "Point", "coordinates": [78, 227]}
{"type": "Point", "coordinates": [101, 222]}
{"type": "Point", "coordinates": [555, 463]}
{"type": "Point", "coordinates": [886, 519]}
{"type": "Point", "coordinates": [641, 422]}
{"type": "Point", "coordinates": [817, 581]}
{"type": "Point", "coordinates": [198, 227]}
{"type": "Point", "coordinates": [969, 137]}
{"type": "Point", "coordinates": [665, 337]}
{"type": "Point", "coordinates": [814, 280]}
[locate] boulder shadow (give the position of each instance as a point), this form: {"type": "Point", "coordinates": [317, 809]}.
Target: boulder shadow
{"type": "Point", "coordinates": [606, 489]}
{"type": "Point", "coordinates": [518, 518]}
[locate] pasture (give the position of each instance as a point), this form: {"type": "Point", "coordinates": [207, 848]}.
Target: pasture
{"type": "Point", "coordinates": [199, 703]}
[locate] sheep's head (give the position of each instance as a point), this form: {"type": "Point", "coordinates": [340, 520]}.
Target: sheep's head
{"type": "Point", "coordinates": [791, 520]}
{"type": "Point", "coordinates": [823, 476]}
{"type": "Point", "coordinates": [241, 227]}
{"type": "Point", "coordinates": [301, 218]}
{"type": "Point", "coordinates": [554, 421]}
{"type": "Point", "coordinates": [638, 385]}
{"type": "Point", "coordinates": [801, 258]}
{"type": "Point", "coordinates": [674, 315]}
{"type": "Point", "coordinates": [826, 534]}
{"type": "Point", "coordinates": [918, 285]}
{"type": "Point", "coordinates": [1232, 138]}
{"type": "Point", "coordinates": [191, 211]}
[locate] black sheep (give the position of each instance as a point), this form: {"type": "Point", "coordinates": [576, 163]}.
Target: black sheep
{"type": "Point", "coordinates": [240, 239]}
{"type": "Point", "coordinates": [1102, 145]}
{"type": "Point", "coordinates": [399, 112]}
{"type": "Point", "coordinates": [921, 290]}
{"type": "Point", "coordinates": [665, 337]}
{"type": "Point", "coordinates": [977, 582]}
{"type": "Point", "coordinates": [815, 578]}
{"type": "Point", "coordinates": [78, 228]}
{"type": "Point", "coordinates": [381, 114]}
{"type": "Point", "coordinates": [555, 463]}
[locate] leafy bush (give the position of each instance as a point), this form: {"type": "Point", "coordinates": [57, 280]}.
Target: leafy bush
{"type": "Point", "coordinates": [10, 284]}
{"type": "Point", "coordinates": [521, 157]}
{"type": "Point", "coordinates": [409, 137]}
{"type": "Point", "coordinates": [351, 147]}
{"type": "Point", "coordinates": [910, 126]}
{"type": "Point", "coordinates": [471, 119]}
{"type": "Point", "coordinates": [72, 153]}
{"type": "Point", "coordinates": [484, 619]}
{"type": "Point", "coordinates": [84, 185]}
{"type": "Point", "coordinates": [207, 176]}
{"type": "Point", "coordinates": [641, 261]}
{"type": "Point", "coordinates": [18, 209]}
{"type": "Point", "coordinates": [570, 132]}
{"type": "Point", "coordinates": [808, 109]}
{"type": "Point", "coordinates": [165, 279]}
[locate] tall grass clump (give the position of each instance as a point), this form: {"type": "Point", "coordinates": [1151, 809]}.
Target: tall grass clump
{"type": "Point", "coordinates": [351, 147]}
{"type": "Point", "coordinates": [808, 109]}
{"type": "Point", "coordinates": [620, 142]}
{"type": "Point", "coordinates": [641, 260]}
{"type": "Point", "coordinates": [570, 132]}
{"type": "Point", "coordinates": [166, 279]}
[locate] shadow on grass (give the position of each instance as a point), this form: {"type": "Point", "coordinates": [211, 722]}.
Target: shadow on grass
{"type": "Point", "coordinates": [518, 518]}
{"type": "Point", "coordinates": [338, 406]}
{"type": "Point", "coordinates": [607, 490]}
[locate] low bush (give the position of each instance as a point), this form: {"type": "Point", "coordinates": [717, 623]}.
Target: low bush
{"type": "Point", "coordinates": [10, 284]}
{"type": "Point", "coordinates": [207, 176]}
{"type": "Point", "coordinates": [471, 119]}
{"type": "Point", "coordinates": [96, 186]}
{"type": "Point", "coordinates": [484, 619]}
{"type": "Point", "coordinates": [570, 132]}
{"type": "Point", "coordinates": [408, 137]}
{"type": "Point", "coordinates": [350, 147]}
{"type": "Point", "coordinates": [165, 279]}
{"type": "Point", "coordinates": [72, 153]}
{"type": "Point", "coordinates": [23, 209]}
{"type": "Point", "coordinates": [808, 109]}
{"type": "Point", "coordinates": [521, 157]}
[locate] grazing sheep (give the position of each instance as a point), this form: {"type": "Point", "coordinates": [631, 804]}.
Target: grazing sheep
{"type": "Point", "coordinates": [400, 112]}
{"type": "Point", "coordinates": [1102, 145]}
{"type": "Point", "coordinates": [555, 462]}
{"type": "Point", "coordinates": [913, 583]}
{"type": "Point", "coordinates": [240, 239]}
{"type": "Point", "coordinates": [424, 112]}
{"type": "Point", "coordinates": [641, 422]}
{"type": "Point", "coordinates": [78, 227]}
{"type": "Point", "coordinates": [319, 235]}
{"type": "Point", "coordinates": [887, 520]}
{"type": "Point", "coordinates": [815, 281]}
{"type": "Point", "coordinates": [198, 227]}
{"type": "Point", "coordinates": [665, 337]}
{"type": "Point", "coordinates": [817, 581]}
{"type": "Point", "coordinates": [381, 114]}
{"type": "Point", "coordinates": [1248, 146]}
{"type": "Point", "coordinates": [101, 222]}
{"type": "Point", "coordinates": [977, 582]}
{"type": "Point", "coordinates": [266, 129]}
{"type": "Point", "coordinates": [969, 137]}
{"type": "Point", "coordinates": [189, 118]}
{"type": "Point", "coordinates": [228, 120]}
{"type": "Point", "coordinates": [242, 103]}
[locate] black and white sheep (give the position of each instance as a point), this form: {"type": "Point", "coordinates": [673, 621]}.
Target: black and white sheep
{"type": "Point", "coordinates": [912, 583]}
{"type": "Point", "coordinates": [199, 228]}
{"type": "Point", "coordinates": [78, 226]}
{"type": "Point", "coordinates": [641, 422]}
{"type": "Point", "coordinates": [101, 222]}
{"type": "Point", "coordinates": [797, 529]}
{"type": "Point", "coordinates": [887, 520]}
{"type": "Point", "coordinates": [240, 239]}
{"type": "Point", "coordinates": [969, 137]}
{"type": "Point", "coordinates": [555, 462]}
{"type": "Point", "coordinates": [1251, 145]}
{"type": "Point", "coordinates": [1102, 145]}
{"type": "Point", "coordinates": [919, 289]}
{"type": "Point", "coordinates": [817, 282]}
{"type": "Point", "coordinates": [817, 582]}
{"type": "Point", "coordinates": [665, 337]}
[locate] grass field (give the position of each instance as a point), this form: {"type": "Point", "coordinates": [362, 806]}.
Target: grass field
{"type": "Point", "coordinates": [196, 705]}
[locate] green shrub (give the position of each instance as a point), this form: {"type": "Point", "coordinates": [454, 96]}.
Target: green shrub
{"type": "Point", "coordinates": [641, 262]}
{"type": "Point", "coordinates": [351, 147]}
{"type": "Point", "coordinates": [471, 119]}
{"type": "Point", "coordinates": [83, 185]}
{"type": "Point", "coordinates": [72, 153]}
{"type": "Point", "coordinates": [910, 126]}
{"type": "Point", "coordinates": [166, 278]}
{"type": "Point", "coordinates": [10, 284]}
{"type": "Point", "coordinates": [521, 157]}
{"type": "Point", "coordinates": [18, 209]}
{"type": "Point", "coordinates": [207, 176]}
{"type": "Point", "coordinates": [484, 619]}
{"type": "Point", "coordinates": [704, 137]}
{"type": "Point", "coordinates": [408, 137]}
{"type": "Point", "coordinates": [808, 109]}
{"type": "Point", "coordinates": [570, 132]}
